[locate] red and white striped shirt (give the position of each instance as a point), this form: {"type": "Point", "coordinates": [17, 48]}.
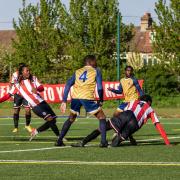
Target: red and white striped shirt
{"type": "Point", "coordinates": [142, 112]}
{"type": "Point", "coordinates": [14, 77]}
{"type": "Point", "coordinates": [25, 90]}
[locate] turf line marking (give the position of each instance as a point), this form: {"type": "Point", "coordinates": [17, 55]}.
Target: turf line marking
{"type": "Point", "coordinates": [37, 149]}
{"type": "Point", "coordinates": [64, 147]}
{"type": "Point", "coordinates": [99, 163]}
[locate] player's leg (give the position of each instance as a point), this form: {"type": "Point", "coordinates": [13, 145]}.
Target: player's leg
{"type": "Point", "coordinates": [16, 106]}
{"type": "Point", "coordinates": [128, 127]}
{"type": "Point", "coordinates": [74, 111]}
{"type": "Point", "coordinates": [93, 108]}
{"type": "Point", "coordinates": [93, 135]}
{"type": "Point", "coordinates": [118, 111]}
{"type": "Point", "coordinates": [27, 115]}
{"type": "Point", "coordinates": [44, 111]}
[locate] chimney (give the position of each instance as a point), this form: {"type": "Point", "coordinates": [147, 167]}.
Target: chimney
{"type": "Point", "coordinates": [146, 22]}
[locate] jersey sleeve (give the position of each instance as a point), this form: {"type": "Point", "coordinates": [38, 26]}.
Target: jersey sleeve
{"type": "Point", "coordinates": [99, 84]}
{"type": "Point", "coordinates": [13, 90]}
{"type": "Point", "coordinates": [154, 118]}
{"type": "Point", "coordinates": [36, 82]}
{"type": "Point", "coordinates": [118, 91]}
{"type": "Point", "coordinates": [68, 86]}
{"type": "Point", "coordinates": [136, 84]}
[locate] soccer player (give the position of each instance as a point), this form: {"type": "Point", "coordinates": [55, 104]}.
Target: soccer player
{"type": "Point", "coordinates": [130, 88]}
{"type": "Point", "coordinates": [129, 121]}
{"type": "Point", "coordinates": [29, 87]}
{"type": "Point", "coordinates": [18, 102]}
{"type": "Point", "coordinates": [84, 81]}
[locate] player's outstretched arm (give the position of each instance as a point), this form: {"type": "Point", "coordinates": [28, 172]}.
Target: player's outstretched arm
{"type": "Point", "coordinates": [159, 128]}
{"type": "Point", "coordinates": [5, 98]}
{"type": "Point", "coordinates": [163, 133]}
{"type": "Point", "coordinates": [116, 91]}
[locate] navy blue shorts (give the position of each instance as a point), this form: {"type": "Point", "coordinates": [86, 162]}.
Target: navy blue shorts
{"type": "Point", "coordinates": [90, 106]}
{"type": "Point", "coordinates": [20, 101]}
{"type": "Point", "coordinates": [44, 111]}
{"type": "Point", "coordinates": [122, 106]}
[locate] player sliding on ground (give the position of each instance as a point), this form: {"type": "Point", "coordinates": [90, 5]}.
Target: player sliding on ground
{"type": "Point", "coordinates": [29, 87]}
{"type": "Point", "coordinates": [129, 121]}
{"type": "Point", "coordinates": [18, 102]}
{"type": "Point", "coordinates": [84, 82]}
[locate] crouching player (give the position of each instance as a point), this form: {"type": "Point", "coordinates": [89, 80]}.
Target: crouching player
{"type": "Point", "coordinates": [129, 121]}
{"type": "Point", "coordinates": [29, 87]}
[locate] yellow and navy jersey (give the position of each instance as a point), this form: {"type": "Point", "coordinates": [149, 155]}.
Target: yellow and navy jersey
{"type": "Point", "coordinates": [84, 81]}
{"type": "Point", "coordinates": [130, 88]}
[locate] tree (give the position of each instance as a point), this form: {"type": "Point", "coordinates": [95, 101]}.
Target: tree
{"type": "Point", "coordinates": [39, 41]}
{"type": "Point", "coordinates": [167, 34]}
{"type": "Point", "coordinates": [91, 29]}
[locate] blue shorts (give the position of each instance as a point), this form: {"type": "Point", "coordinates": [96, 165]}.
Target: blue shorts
{"type": "Point", "coordinates": [122, 106]}
{"type": "Point", "coordinates": [90, 106]}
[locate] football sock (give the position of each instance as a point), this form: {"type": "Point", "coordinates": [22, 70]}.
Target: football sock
{"type": "Point", "coordinates": [91, 136]}
{"type": "Point", "coordinates": [28, 119]}
{"type": "Point", "coordinates": [54, 127]}
{"type": "Point", "coordinates": [102, 127]}
{"type": "Point", "coordinates": [64, 130]}
{"type": "Point", "coordinates": [44, 127]}
{"type": "Point", "coordinates": [16, 119]}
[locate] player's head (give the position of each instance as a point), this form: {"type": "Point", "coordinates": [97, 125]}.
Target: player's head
{"type": "Point", "coordinates": [19, 65]}
{"type": "Point", "coordinates": [129, 71]}
{"type": "Point", "coordinates": [24, 71]}
{"type": "Point", "coordinates": [147, 98]}
{"type": "Point", "coordinates": [90, 60]}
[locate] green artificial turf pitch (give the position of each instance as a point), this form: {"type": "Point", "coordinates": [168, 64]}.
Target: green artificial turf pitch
{"type": "Point", "coordinates": [39, 159]}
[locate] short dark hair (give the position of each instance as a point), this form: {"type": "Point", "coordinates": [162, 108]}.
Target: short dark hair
{"type": "Point", "coordinates": [146, 98]}
{"type": "Point", "coordinates": [129, 67]}
{"type": "Point", "coordinates": [21, 65]}
{"type": "Point", "coordinates": [89, 58]}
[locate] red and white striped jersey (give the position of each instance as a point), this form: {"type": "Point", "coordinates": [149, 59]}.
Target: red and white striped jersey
{"type": "Point", "coordinates": [14, 77]}
{"type": "Point", "coordinates": [142, 112]}
{"type": "Point", "coordinates": [25, 90]}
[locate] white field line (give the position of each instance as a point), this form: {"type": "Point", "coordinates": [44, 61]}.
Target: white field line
{"type": "Point", "coordinates": [99, 163]}
{"type": "Point", "coordinates": [92, 122]}
{"type": "Point", "coordinates": [63, 147]}
{"type": "Point", "coordinates": [37, 149]}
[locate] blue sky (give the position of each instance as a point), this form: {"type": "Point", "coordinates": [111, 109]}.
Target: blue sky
{"type": "Point", "coordinates": [9, 10]}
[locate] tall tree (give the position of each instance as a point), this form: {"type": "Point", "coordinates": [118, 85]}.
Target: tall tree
{"type": "Point", "coordinates": [167, 34]}
{"type": "Point", "coordinates": [39, 41]}
{"type": "Point", "coordinates": [91, 27]}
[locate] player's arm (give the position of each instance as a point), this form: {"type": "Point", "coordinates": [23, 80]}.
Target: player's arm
{"type": "Point", "coordinates": [99, 85]}
{"type": "Point", "coordinates": [68, 86]}
{"type": "Point", "coordinates": [138, 87]}
{"type": "Point", "coordinates": [9, 94]}
{"type": "Point", "coordinates": [116, 91]}
{"type": "Point", "coordinates": [160, 128]}
{"type": "Point", "coordinates": [38, 85]}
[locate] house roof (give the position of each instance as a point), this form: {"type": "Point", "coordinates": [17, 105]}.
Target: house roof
{"type": "Point", "coordinates": [6, 37]}
{"type": "Point", "coordinates": [141, 41]}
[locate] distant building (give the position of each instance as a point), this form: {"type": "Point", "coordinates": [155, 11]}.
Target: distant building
{"type": "Point", "coordinates": [140, 48]}
{"type": "Point", "coordinates": [6, 37]}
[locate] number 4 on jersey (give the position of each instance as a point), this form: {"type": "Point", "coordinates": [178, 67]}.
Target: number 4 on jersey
{"type": "Point", "coordinates": [83, 76]}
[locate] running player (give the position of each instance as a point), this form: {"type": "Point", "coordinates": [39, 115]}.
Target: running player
{"type": "Point", "coordinates": [84, 82]}
{"type": "Point", "coordinates": [18, 102]}
{"type": "Point", "coordinates": [29, 87]}
{"type": "Point", "coordinates": [129, 121]}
